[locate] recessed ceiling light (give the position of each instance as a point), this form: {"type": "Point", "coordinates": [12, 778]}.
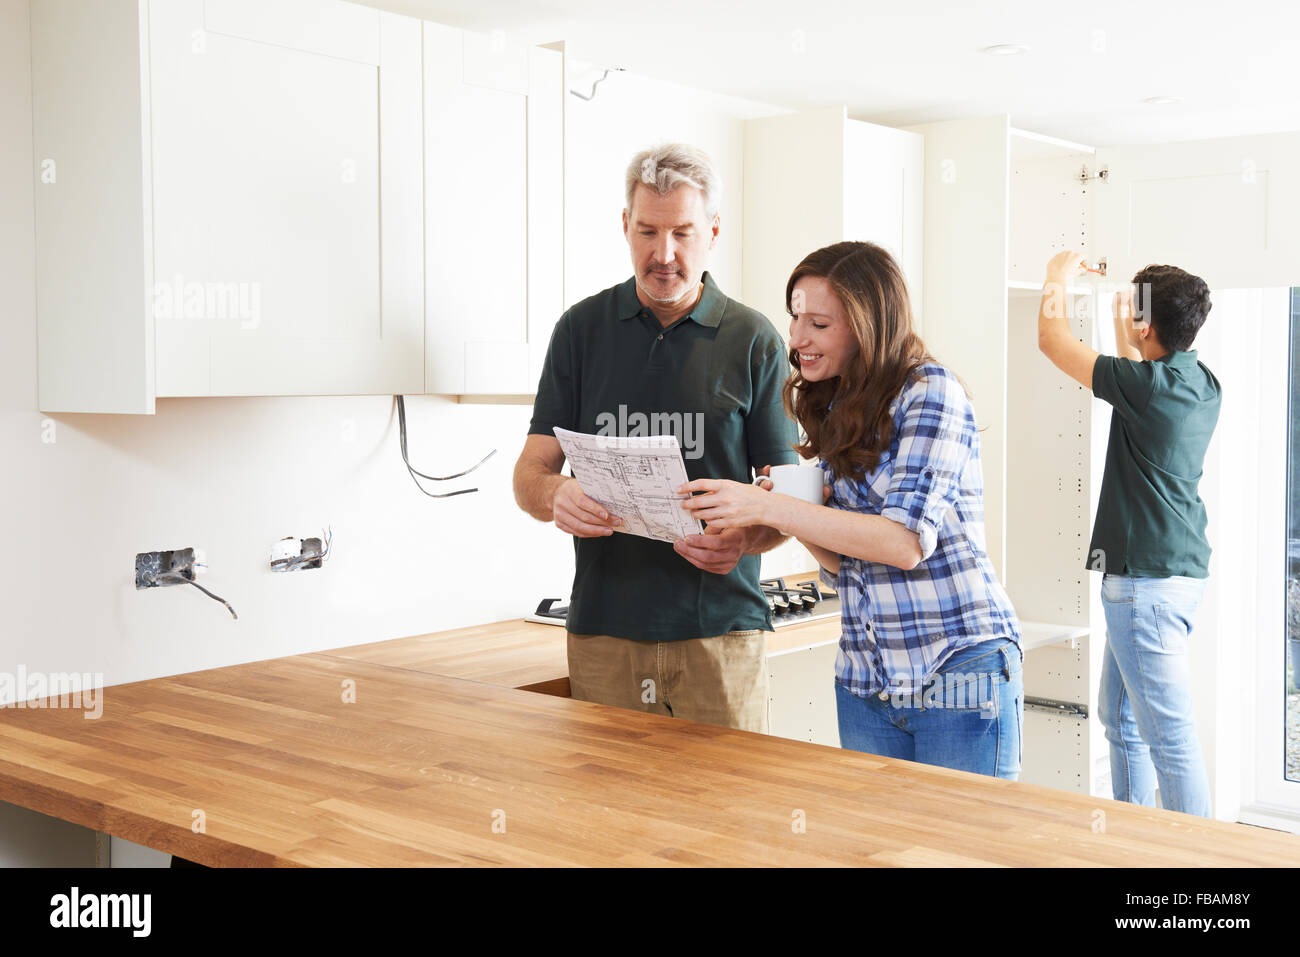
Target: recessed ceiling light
{"type": "Point", "coordinates": [1162, 100]}
{"type": "Point", "coordinates": [1006, 49]}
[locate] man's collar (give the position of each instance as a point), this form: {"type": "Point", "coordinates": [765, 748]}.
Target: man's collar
{"type": "Point", "coordinates": [1185, 358]}
{"type": "Point", "coordinates": [707, 312]}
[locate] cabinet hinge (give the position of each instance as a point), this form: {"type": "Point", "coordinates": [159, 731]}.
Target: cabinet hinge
{"type": "Point", "coordinates": [1085, 177]}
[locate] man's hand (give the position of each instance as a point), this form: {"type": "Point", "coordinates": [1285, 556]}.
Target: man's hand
{"type": "Point", "coordinates": [717, 550]}
{"type": "Point", "coordinates": [580, 515]}
{"type": "Point", "coordinates": [1063, 267]}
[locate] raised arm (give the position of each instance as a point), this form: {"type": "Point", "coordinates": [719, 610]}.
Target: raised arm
{"type": "Point", "coordinates": [1122, 310]}
{"type": "Point", "coordinates": [1076, 359]}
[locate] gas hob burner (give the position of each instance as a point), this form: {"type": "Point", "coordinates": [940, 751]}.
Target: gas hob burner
{"type": "Point", "coordinates": [805, 601]}
{"type": "Point", "coordinates": [789, 604]}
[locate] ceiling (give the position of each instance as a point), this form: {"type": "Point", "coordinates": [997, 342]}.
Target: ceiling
{"type": "Point", "coordinates": [1084, 77]}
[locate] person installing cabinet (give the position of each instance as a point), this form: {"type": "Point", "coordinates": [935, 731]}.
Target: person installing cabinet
{"type": "Point", "coordinates": [1149, 538]}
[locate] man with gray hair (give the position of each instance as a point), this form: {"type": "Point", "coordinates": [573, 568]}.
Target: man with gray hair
{"type": "Point", "coordinates": [676, 629]}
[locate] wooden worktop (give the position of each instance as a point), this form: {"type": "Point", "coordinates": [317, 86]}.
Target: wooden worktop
{"type": "Point", "coordinates": [511, 654]}
{"type": "Point", "coordinates": [419, 767]}
{"type": "Point", "coordinates": [524, 654]}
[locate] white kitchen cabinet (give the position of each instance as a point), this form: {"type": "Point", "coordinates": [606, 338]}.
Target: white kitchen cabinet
{"type": "Point", "coordinates": [816, 178]}
{"type": "Point", "coordinates": [801, 693]}
{"type": "Point", "coordinates": [216, 182]}
{"type": "Point", "coordinates": [1000, 202]}
{"type": "Point", "coordinates": [494, 205]}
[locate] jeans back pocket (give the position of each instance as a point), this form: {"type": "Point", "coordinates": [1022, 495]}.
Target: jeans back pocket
{"type": "Point", "coordinates": [1116, 588]}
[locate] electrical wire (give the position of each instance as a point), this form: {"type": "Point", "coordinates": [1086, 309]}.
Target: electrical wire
{"type": "Point", "coordinates": [181, 579]}
{"type": "Point", "coordinates": [294, 562]}
{"type": "Point", "coordinates": [613, 69]}
{"type": "Point", "coordinates": [401, 422]}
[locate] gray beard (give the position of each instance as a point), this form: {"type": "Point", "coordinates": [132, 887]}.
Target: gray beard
{"type": "Point", "coordinates": [667, 301]}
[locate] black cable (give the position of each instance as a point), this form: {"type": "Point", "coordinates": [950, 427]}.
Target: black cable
{"type": "Point", "coordinates": [176, 577]}
{"type": "Point", "coordinates": [401, 422]}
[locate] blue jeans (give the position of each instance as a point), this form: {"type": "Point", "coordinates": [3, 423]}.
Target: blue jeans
{"type": "Point", "coordinates": [968, 717]}
{"type": "Point", "coordinates": [1145, 698]}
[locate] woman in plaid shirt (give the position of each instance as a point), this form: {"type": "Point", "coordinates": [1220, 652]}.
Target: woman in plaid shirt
{"type": "Point", "coordinates": [929, 667]}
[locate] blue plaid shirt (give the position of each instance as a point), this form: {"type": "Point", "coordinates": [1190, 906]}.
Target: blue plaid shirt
{"type": "Point", "coordinates": [900, 626]}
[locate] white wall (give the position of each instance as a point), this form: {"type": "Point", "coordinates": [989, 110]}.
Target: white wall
{"type": "Point", "coordinates": [630, 113]}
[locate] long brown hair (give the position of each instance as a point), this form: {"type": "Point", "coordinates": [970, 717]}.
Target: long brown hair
{"type": "Point", "coordinates": [846, 419]}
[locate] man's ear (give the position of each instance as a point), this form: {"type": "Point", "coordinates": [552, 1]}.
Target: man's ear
{"type": "Point", "coordinates": [625, 221]}
{"type": "Point", "coordinates": [717, 224]}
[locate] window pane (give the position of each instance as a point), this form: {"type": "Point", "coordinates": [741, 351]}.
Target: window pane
{"type": "Point", "coordinates": [1292, 664]}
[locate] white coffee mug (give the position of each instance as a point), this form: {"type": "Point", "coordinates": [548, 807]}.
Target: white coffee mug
{"type": "Point", "coordinates": [800, 481]}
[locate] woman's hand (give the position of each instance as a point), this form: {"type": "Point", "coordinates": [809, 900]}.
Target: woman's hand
{"type": "Point", "coordinates": [728, 504]}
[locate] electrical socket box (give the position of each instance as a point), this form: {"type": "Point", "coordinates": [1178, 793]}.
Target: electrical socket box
{"type": "Point", "coordinates": [150, 566]}
{"type": "Point", "coordinates": [312, 546]}
{"type": "Point", "coordinates": [290, 554]}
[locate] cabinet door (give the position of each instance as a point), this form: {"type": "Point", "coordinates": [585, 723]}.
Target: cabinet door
{"type": "Point", "coordinates": [286, 157]}
{"type": "Point", "coordinates": [1222, 209]}
{"type": "Point", "coordinates": [965, 318]}
{"type": "Point", "coordinates": [801, 694]}
{"type": "Point", "coordinates": [884, 193]}
{"type": "Point", "coordinates": [90, 121]}
{"type": "Point", "coordinates": [794, 200]}
{"type": "Point", "coordinates": [493, 204]}
{"type": "Point", "coordinates": [545, 205]}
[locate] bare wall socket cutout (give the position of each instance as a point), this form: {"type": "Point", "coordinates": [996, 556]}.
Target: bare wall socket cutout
{"type": "Point", "coordinates": [150, 566]}
{"type": "Point", "coordinates": [310, 554]}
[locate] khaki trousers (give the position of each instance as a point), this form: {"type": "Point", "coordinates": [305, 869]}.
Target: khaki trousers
{"type": "Point", "coordinates": [719, 680]}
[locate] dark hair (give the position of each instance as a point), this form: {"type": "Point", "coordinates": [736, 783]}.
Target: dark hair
{"type": "Point", "coordinates": [1176, 303]}
{"type": "Point", "coordinates": [871, 288]}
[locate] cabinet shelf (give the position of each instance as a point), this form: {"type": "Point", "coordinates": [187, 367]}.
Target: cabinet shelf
{"type": "Point", "coordinates": [1023, 287]}
{"type": "Point", "coordinates": [1039, 634]}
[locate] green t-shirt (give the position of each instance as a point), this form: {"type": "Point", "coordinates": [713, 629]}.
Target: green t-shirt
{"type": "Point", "coordinates": [1150, 518]}
{"type": "Point", "coordinates": [714, 380]}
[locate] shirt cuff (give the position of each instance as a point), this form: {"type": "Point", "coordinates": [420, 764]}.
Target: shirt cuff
{"type": "Point", "coordinates": [911, 517]}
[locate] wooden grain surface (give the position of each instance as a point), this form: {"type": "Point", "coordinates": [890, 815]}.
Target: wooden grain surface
{"type": "Point", "coordinates": [417, 770]}
{"type": "Point", "coordinates": [511, 654]}
{"type": "Point", "coordinates": [518, 654]}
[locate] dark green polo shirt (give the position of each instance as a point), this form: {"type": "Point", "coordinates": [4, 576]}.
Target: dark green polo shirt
{"type": "Point", "coordinates": [715, 379]}
{"type": "Point", "coordinates": [1150, 518]}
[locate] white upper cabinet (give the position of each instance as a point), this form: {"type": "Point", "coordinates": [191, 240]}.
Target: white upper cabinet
{"type": "Point", "coordinates": [286, 156]}
{"type": "Point", "coordinates": [1223, 209]}
{"type": "Point", "coordinates": [232, 203]}
{"type": "Point", "coordinates": [816, 178]}
{"type": "Point", "coordinates": [493, 204]}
